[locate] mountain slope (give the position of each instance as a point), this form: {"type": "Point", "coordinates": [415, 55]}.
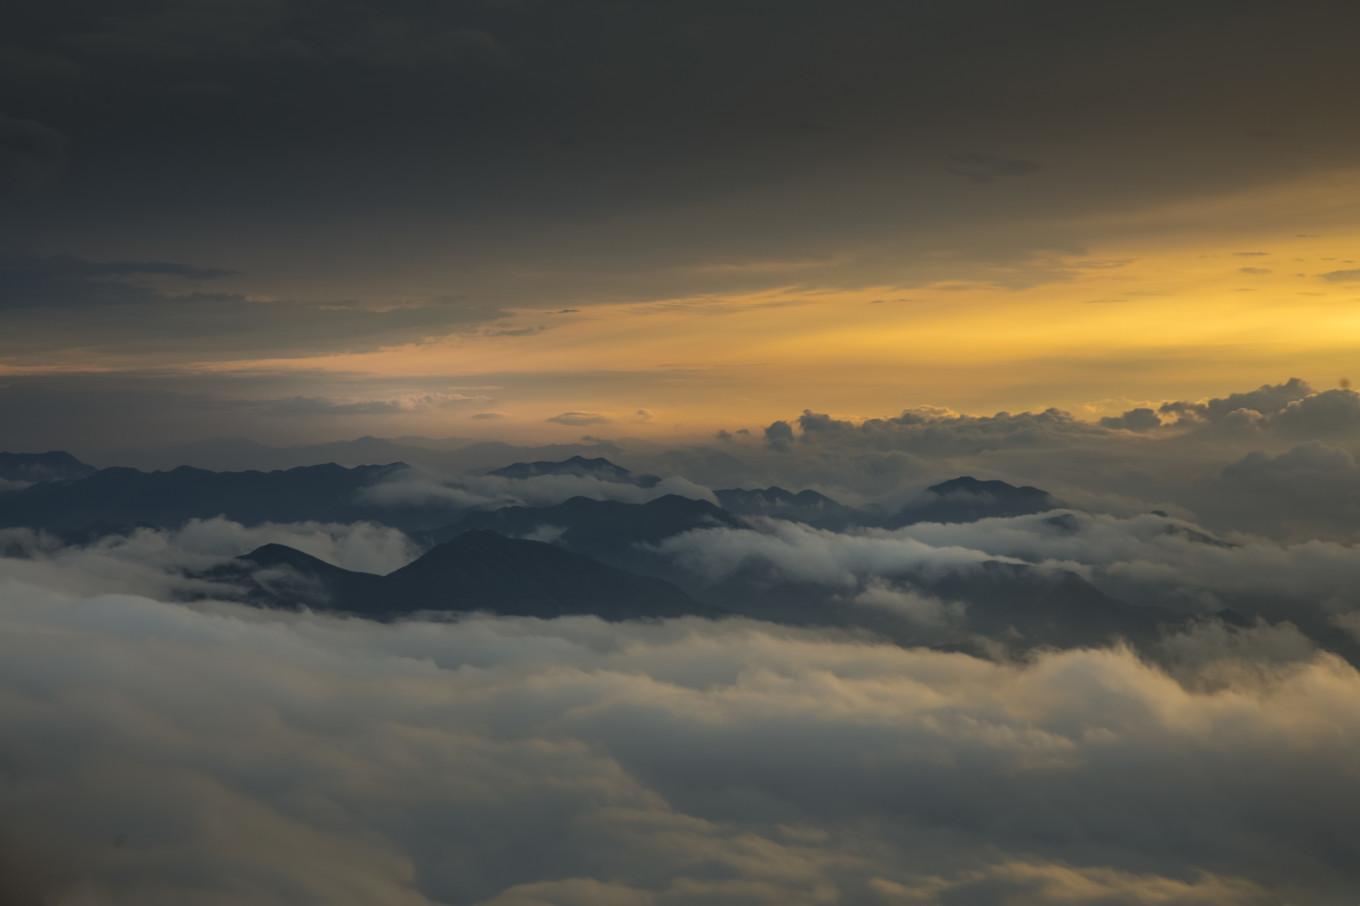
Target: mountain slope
{"type": "Point", "coordinates": [281, 576]}
{"type": "Point", "coordinates": [481, 570]}
{"type": "Point", "coordinates": [606, 529]}
{"type": "Point", "coordinates": [477, 571]}
{"type": "Point", "coordinates": [968, 499]}
{"type": "Point", "coordinates": [1014, 606]}
{"type": "Point", "coordinates": [35, 468]}
{"type": "Point", "coordinates": [805, 506]}
{"type": "Point", "coordinates": [579, 466]}
{"type": "Point", "coordinates": [119, 496]}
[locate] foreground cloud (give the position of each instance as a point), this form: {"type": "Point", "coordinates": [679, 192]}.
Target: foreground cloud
{"type": "Point", "coordinates": [156, 754]}
{"type": "Point", "coordinates": [161, 563]}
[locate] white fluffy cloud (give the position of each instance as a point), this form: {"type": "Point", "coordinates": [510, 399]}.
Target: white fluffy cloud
{"type": "Point", "coordinates": [155, 562]}
{"type": "Point", "coordinates": [156, 754]}
{"type": "Point", "coordinates": [805, 554]}
{"type": "Point", "coordinates": [1149, 558]}
{"type": "Point", "coordinates": [1250, 461]}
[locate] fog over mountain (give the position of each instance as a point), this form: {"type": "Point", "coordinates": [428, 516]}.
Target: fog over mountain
{"type": "Point", "coordinates": [575, 681]}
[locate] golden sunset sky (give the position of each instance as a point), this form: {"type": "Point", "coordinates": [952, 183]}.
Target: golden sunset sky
{"type": "Point", "coordinates": [471, 226]}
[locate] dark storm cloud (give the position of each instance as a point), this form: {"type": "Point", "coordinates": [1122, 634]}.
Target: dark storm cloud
{"type": "Point", "coordinates": [1140, 419]}
{"type": "Point", "coordinates": [30, 154]}
{"type": "Point", "coordinates": [103, 413]}
{"type": "Point", "coordinates": [497, 64]}
{"type": "Point", "coordinates": [441, 147]}
{"type": "Point", "coordinates": [986, 168]}
{"type": "Point", "coordinates": [65, 281]}
{"type": "Point", "coordinates": [779, 436]}
{"type": "Point", "coordinates": [115, 307]}
{"type": "Point", "coordinates": [514, 117]}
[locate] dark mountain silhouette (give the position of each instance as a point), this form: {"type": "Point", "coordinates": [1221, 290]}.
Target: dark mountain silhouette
{"type": "Point", "coordinates": [280, 576]}
{"type": "Point", "coordinates": [968, 499]}
{"type": "Point", "coordinates": [36, 468]}
{"type": "Point", "coordinates": [598, 468]}
{"type": "Point", "coordinates": [126, 497]}
{"type": "Point", "coordinates": [485, 571]}
{"type": "Point", "coordinates": [601, 560]}
{"type": "Point", "coordinates": [802, 506]}
{"type": "Point", "coordinates": [1197, 536]}
{"type": "Point", "coordinates": [477, 571]}
{"type": "Point", "coordinates": [1045, 607]}
{"type": "Point", "coordinates": [1021, 605]}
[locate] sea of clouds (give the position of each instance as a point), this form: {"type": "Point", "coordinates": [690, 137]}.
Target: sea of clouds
{"type": "Point", "coordinates": [164, 745]}
{"type": "Point", "coordinates": [163, 753]}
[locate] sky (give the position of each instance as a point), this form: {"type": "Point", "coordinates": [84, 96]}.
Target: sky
{"type": "Point", "coordinates": [893, 252]}
{"type": "Point", "coordinates": [534, 220]}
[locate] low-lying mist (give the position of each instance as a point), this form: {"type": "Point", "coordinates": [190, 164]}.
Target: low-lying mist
{"type": "Point", "coordinates": [161, 753]}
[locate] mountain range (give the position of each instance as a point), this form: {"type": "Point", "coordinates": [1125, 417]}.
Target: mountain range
{"type": "Point", "coordinates": [35, 468]}
{"type": "Point", "coordinates": [58, 492]}
{"type": "Point", "coordinates": [598, 468]}
{"type": "Point", "coordinates": [580, 556]}
{"type": "Point", "coordinates": [121, 497]}
{"type": "Point", "coordinates": [476, 571]}
{"type": "Point", "coordinates": [968, 499]}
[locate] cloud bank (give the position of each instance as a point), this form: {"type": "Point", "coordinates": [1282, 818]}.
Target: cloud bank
{"type": "Point", "coordinates": [159, 754]}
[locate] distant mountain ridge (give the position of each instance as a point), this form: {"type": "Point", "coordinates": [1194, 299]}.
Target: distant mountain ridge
{"type": "Point", "coordinates": [579, 466]}
{"type": "Point", "coordinates": [585, 556]}
{"type": "Point", "coordinates": [608, 530]}
{"type": "Point", "coordinates": [36, 468]}
{"type": "Point", "coordinates": [476, 571]}
{"type": "Point", "coordinates": [121, 496]}
{"type": "Point", "coordinates": [775, 502]}
{"type": "Point", "coordinates": [968, 499]}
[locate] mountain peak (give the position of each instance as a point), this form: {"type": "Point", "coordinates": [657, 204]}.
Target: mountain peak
{"type": "Point", "coordinates": [580, 466]}
{"type": "Point", "coordinates": [35, 468]}
{"type": "Point", "coordinates": [485, 570]}
{"type": "Point", "coordinates": [805, 506]}
{"type": "Point", "coordinates": [968, 499]}
{"type": "Point", "coordinates": [967, 484]}
{"type": "Point", "coordinates": [274, 554]}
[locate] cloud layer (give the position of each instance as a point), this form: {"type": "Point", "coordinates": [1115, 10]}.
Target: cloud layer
{"type": "Point", "coordinates": [164, 562]}
{"type": "Point", "coordinates": [158, 754]}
